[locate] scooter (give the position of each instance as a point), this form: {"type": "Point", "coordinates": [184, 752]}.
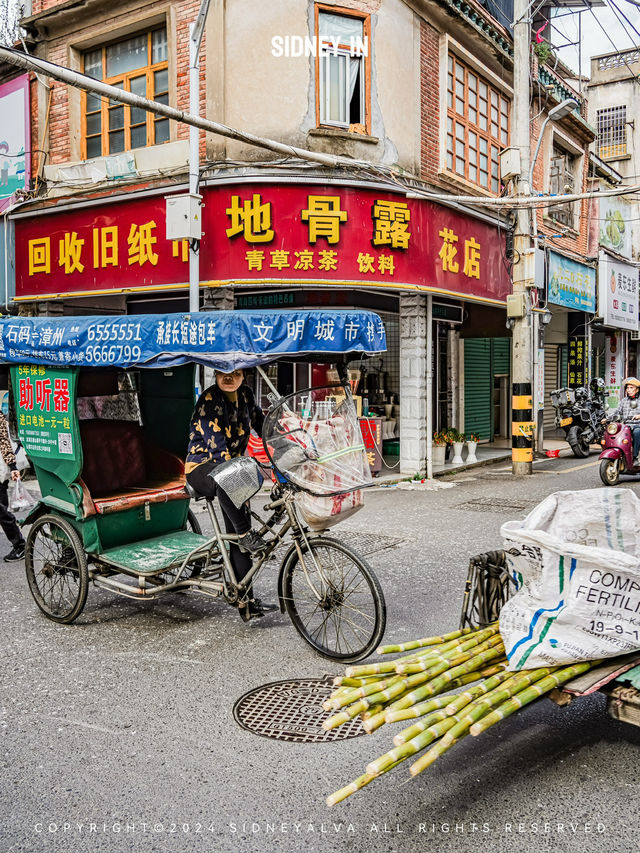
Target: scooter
{"type": "Point", "coordinates": [617, 456]}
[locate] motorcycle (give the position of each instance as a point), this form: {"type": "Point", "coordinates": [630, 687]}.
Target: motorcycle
{"type": "Point", "coordinates": [580, 412]}
{"type": "Point", "coordinates": [617, 454]}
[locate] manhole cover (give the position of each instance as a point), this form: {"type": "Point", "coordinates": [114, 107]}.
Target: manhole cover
{"type": "Point", "coordinates": [495, 505]}
{"type": "Point", "coordinates": [292, 710]}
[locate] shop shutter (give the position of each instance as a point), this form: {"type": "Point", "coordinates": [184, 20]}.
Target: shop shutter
{"type": "Point", "coordinates": [478, 386]}
{"type": "Point", "coordinates": [550, 384]}
{"type": "Point", "coordinates": [501, 355]}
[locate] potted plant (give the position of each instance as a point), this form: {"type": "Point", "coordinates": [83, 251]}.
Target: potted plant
{"type": "Point", "coordinates": [457, 439]}
{"type": "Point", "coordinates": [439, 447]}
{"type": "Point", "coordinates": [472, 444]}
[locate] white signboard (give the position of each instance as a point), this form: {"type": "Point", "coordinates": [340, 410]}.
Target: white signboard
{"type": "Point", "coordinates": [618, 293]}
{"type": "Point", "coordinates": [613, 365]}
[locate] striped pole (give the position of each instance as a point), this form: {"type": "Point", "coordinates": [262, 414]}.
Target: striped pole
{"type": "Point", "coordinates": [522, 427]}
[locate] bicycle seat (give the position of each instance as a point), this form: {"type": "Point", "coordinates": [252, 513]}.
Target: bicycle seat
{"type": "Point", "coordinates": [196, 496]}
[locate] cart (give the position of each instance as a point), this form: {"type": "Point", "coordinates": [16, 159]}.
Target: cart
{"type": "Point", "coordinates": [489, 585]}
{"type": "Point", "coordinates": [103, 405]}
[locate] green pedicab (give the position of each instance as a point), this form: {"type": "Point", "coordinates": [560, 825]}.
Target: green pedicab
{"type": "Point", "coordinates": [103, 407]}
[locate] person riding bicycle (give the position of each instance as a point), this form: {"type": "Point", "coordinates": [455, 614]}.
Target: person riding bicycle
{"type": "Point", "coordinates": [628, 410]}
{"type": "Point", "coordinates": [222, 421]}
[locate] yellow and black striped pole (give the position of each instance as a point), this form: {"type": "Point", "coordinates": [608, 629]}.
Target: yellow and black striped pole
{"type": "Point", "coordinates": [522, 425]}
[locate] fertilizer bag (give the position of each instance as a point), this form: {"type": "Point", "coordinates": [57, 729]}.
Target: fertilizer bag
{"type": "Point", "coordinates": [575, 559]}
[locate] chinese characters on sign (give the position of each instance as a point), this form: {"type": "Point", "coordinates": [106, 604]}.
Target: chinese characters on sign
{"type": "Point", "coordinates": [43, 411]}
{"type": "Point", "coordinates": [618, 293]}
{"type": "Point", "coordinates": [571, 284]}
{"type": "Point", "coordinates": [577, 362]}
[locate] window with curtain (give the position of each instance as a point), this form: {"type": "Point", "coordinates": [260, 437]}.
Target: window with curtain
{"type": "Point", "coordinates": [342, 69]}
{"type": "Point", "coordinates": [137, 64]}
{"type": "Point", "coordinates": [477, 125]}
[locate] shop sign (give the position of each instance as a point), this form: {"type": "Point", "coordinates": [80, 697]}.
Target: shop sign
{"type": "Point", "coordinates": [42, 410]}
{"type": "Point", "coordinates": [540, 380]}
{"type": "Point", "coordinates": [613, 365]}
{"type": "Point", "coordinates": [618, 293]}
{"type": "Point", "coordinates": [14, 139]}
{"type": "Point", "coordinates": [615, 225]}
{"type": "Point", "coordinates": [577, 361]}
{"type": "Point", "coordinates": [264, 234]}
{"type": "Point", "coordinates": [571, 284]}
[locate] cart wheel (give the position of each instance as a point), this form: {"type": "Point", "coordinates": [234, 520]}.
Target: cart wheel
{"type": "Point", "coordinates": [347, 621]}
{"type": "Point", "coordinates": [56, 567]}
{"type": "Point", "coordinates": [192, 523]}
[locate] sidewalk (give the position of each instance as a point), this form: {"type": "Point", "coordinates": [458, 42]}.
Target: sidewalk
{"type": "Point", "coordinates": [486, 454]}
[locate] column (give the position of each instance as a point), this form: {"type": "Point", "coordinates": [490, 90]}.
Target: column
{"type": "Point", "coordinates": [413, 393]}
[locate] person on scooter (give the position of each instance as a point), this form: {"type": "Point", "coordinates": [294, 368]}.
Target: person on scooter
{"type": "Point", "coordinates": [628, 411]}
{"type": "Point", "coordinates": [220, 428]}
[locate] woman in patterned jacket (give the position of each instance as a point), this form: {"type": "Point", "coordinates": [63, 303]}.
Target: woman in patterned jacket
{"type": "Point", "coordinates": [7, 519]}
{"type": "Point", "coordinates": [221, 424]}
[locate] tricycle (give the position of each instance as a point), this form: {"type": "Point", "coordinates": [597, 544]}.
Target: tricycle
{"type": "Point", "coordinates": [103, 405]}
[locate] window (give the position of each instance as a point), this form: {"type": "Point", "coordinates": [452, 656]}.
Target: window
{"type": "Point", "coordinates": [342, 69]}
{"type": "Point", "coordinates": [137, 64]}
{"type": "Point", "coordinates": [561, 182]}
{"type": "Point", "coordinates": [477, 126]}
{"type": "Point", "coordinates": [612, 132]}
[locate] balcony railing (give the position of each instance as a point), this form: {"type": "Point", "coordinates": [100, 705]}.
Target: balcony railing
{"type": "Point", "coordinates": [561, 90]}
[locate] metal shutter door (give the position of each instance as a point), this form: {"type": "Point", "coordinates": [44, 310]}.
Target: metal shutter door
{"type": "Point", "coordinates": [550, 384]}
{"type": "Point", "coordinates": [478, 385]}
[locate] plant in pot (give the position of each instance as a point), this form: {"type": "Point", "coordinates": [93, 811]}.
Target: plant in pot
{"type": "Point", "coordinates": [439, 447]}
{"type": "Point", "coordinates": [472, 444]}
{"type": "Point", "coordinates": [457, 439]}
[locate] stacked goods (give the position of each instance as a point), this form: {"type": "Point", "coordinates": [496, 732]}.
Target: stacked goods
{"type": "Point", "coordinates": [410, 688]}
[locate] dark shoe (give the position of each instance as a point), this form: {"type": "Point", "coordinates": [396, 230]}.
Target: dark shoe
{"type": "Point", "coordinates": [15, 554]}
{"type": "Point", "coordinates": [251, 542]}
{"type": "Point", "coordinates": [254, 608]}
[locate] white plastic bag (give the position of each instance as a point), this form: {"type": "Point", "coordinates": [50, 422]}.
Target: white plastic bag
{"type": "Point", "coordinates": [577, 562]}
{"type": "Point", "coordinates": [22, 461]}
{"type": "Point", "coordinates": [20, 497]}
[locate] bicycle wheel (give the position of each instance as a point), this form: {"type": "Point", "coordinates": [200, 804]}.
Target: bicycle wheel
{"type": "Point", "coordinates": [56, 567]}
{"type": "Point", "coordinates": [193, 524]}
{"type": "Point", "coordinates": [337, 605]}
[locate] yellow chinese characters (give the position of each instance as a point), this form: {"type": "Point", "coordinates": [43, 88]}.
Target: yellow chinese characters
{"type": "Point", "coordinates": [70, 251]}
{"type": "Point", "coordinates": [252, 218]}
{"type": "Point", "coordinates": [40, 255]}
{"type": "Point", "coordinates": [141, 241]}
{"type": "Point", "coordinates": [324, 216]}
{"type": "Point", "coordinates": [390, 224]}
{"type": "Point", "coordinates": [448, 254]}
{"type": "Point", "coordinates": [105, 247]}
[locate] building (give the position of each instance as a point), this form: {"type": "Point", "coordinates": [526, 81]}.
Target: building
{"type": "Point", "coordinates": [281, 231]}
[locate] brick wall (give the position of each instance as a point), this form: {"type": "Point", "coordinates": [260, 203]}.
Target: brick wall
{"type": "Point", "coordinates": [429, 102]}
{"type": "Point", "coordinates": [56, 49]}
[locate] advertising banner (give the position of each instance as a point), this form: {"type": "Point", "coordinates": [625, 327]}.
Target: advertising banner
{"type": "Point", "coordinates": [618, 293]}
{"type": "Point", "coordinates": [571, 284]}
{"type": "Point", "coordinates": [264, 233]}
{"type": "Point", "coordinates": [616, 216]}
{"type": "Point", "coordinates": [613, 365]}
{"type": "Point", "coordinates": [14, 138]}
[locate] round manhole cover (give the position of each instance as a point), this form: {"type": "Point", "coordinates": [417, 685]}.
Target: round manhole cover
{"type": "Point", "coordinates": [292, 710]}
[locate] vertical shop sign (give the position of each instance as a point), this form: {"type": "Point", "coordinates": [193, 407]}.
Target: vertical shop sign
{"type": "Point", "coordinates": [613, 367]}
{"type": "Point", "coordinates": [577, 361]}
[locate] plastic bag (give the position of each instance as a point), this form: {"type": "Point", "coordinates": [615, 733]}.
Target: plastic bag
{"type": "Point", "coordinates": [576, 559]}
{"type": "Point", "coordinates": [19, 496]}
{"type": "Point", "coordinates": [22, 461]}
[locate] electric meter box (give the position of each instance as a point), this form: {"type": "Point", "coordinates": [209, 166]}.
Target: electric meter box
{"type": "Point", "coordinates": [509, 163]}
{"type": "Point", "coordinates": [184, 216]}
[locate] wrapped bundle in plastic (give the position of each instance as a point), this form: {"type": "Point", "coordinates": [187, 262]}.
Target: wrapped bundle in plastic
{"type": "Point", "coordinates": [314, 440]}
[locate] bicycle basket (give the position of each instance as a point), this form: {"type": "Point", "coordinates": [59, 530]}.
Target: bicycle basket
{"type": "Point", "coordinates": [313, 439]}
{"type": "Point", "coordinates": [239, 478]}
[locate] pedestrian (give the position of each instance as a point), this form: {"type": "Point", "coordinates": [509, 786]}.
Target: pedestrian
{"type": "Point", "coordinates": [220, 428]}
{"type": "Point", "coordinates": [7, 518]}
{"type": "Point", "coordinates": [628, 410]}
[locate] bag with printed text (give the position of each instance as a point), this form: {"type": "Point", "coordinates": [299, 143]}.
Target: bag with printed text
{"type": "Point", "coordinates": [576, 561]}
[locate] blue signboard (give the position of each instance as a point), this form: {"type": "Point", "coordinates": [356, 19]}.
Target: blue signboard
{"type": "Point", "coordinates": [571, 284]}
{"type": "Point", "coordinates": [223, 340]}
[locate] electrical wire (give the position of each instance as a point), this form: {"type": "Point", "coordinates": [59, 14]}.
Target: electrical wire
{"type": "Point", "coordinates": [633, 27]}
{"type": "Point", "coordinates": [631, 71]}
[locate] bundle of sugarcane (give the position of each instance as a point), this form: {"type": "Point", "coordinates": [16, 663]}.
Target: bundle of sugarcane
{"type": "Point", "coordinates": [409, 687]}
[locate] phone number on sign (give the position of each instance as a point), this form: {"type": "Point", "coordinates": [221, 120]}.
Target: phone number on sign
{"type": "Point", "coordinates": [106, 355]}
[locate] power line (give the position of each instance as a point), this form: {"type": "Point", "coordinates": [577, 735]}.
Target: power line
{"type": "Point", "coordinates": [617, 12]}
{"type": "Point", "coordinates": [617, 50]}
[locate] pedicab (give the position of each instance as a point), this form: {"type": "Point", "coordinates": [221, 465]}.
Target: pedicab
{"type": "Point", "coordinates": [103, 405]}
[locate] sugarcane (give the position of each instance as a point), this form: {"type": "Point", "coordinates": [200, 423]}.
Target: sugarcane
{"type": "Point", "coordinates": [529, 694]}
{"type": "Point", "coordinates": [416, 744]}
{"type": "Point", "coordinates": [426, 641]}
{"type": "Point", "coordinates": [356, 785]}
{"type": "Point", "coordinates": [467, 644]}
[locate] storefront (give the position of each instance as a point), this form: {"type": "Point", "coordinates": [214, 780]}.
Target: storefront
{"type": "Point", "coordinates": [274, 244]}
{"type": "Point", "coordinates": [571, 299]}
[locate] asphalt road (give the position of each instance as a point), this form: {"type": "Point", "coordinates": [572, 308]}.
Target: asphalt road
{"type": "Point", "coordinates": [117, 732]}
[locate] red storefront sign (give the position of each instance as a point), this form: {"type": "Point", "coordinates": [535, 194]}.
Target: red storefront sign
{"type": "Point", "coordinates": [264, 233]}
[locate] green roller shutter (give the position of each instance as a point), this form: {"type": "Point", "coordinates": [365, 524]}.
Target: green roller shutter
{"type": "Point", "coordinates": [478, 386]}
{"type": "Point", "coordinates": [501, 355]}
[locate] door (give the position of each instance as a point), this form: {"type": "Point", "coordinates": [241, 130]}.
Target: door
{"type": "Point", "coordinates": [551, 382]}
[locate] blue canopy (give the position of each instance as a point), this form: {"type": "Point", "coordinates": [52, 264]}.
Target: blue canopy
{"type": "Point", "coordinates": [220, 339]}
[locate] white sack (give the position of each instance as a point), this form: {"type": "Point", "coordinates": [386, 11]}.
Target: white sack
{"type": "Point", "coordinates": [578, 568]}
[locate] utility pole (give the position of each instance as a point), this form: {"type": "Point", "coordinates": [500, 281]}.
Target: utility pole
{"type": "Point", "coordinates": [196, 31]}
{"type": "Point", "coordinates": [523, 254]}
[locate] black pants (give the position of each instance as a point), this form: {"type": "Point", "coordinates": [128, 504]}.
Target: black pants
{"type": "Point", "coordinates": [236, 520]}
{"type": "Point", "coordinates": [7, 519]}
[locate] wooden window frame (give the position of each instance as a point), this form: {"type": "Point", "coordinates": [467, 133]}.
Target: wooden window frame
{"type": "Point", "coordinates": [563, 214]}
{"type": "Point", "coordinates": [471, 130]}
{"type": "Point", "coordinates": [366, 34]}
{"type": "Point", "coordinates": [148, 71]}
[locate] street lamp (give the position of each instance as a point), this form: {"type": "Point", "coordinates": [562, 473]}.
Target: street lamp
{"type": "Point", "coordinates": [563, 109]}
